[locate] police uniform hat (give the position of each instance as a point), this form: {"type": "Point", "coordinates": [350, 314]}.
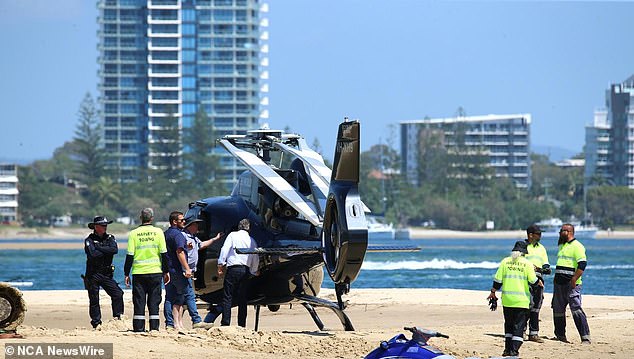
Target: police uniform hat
{"type": "Point", "coordinates": [191, 220]}
{"type": "Point", "coordinates": [520, 246]}
{"type": "Point", "coordinates": [99, 220]}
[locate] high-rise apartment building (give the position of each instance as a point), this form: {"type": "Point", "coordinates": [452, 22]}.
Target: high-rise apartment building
{"type": "Point", "coordinates": [160, 61]}
{"type": "Point", "coordinates": [503, 139]}
{"type": "Point", "coordinates": [609, 146]}
{"type": "Point", "coordinates": [8, 193]}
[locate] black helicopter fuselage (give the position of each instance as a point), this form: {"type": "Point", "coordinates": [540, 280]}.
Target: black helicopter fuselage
{"type": "Point", "coordinates": [273, 225]}
{"type": "Point", "coordinates": [302, 216]}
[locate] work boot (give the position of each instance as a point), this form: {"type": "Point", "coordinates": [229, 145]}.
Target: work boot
{"type": "Point", "coordinates": [506, 353]}
{"type": "Point", "coordinates": [535, 338]}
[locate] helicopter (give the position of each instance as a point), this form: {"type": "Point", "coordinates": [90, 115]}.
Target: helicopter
{"type": "Point", "coordinates": [304, 217]}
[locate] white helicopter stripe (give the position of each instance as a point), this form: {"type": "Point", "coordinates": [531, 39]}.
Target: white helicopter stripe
{"type": "Point", "coordinates": [278, 184]}
{"type": "Point", "coordinates": [315, 163]}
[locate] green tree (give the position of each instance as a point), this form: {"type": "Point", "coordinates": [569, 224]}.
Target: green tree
{"type": "Point", "coordinates": [611, 205]}
{"type": "Point", "coordinates": [41, 199]}
{"type": "Point", "coordinates": [86, 149]}
{"type": "Point", "coordinates": [201, 162]}
{"type": "Point", "coordinates": [166, 150]}
{"type": "Point", "coordinates": [432, 158]}
{"type": "Point", "coordinates": [106, 191]}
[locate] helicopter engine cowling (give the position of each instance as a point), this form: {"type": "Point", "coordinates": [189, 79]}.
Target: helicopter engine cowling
{"type": "Point", "coordinates": [345, 230]}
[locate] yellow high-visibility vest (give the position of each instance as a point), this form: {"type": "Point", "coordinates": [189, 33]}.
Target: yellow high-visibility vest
{"type": "Point", "coordinates": [537, 255]}
{"type": "Point", "coordinates": [515, 276]}
{"type": "Point", "coordinates": [568, 258]}
{"type": "Point", "coordinates": [146, 243]}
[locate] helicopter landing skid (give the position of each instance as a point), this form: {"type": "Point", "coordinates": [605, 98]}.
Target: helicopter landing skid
{"type": "Point", "coordinates": [319, 302]}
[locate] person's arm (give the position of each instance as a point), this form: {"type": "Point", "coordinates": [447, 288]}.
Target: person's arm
{"type": "Point", "coordinates": [182, 258]}
{"type": "Point", "coordinates": [253, 260]}
{"type": "Point", "coordinates": [532, 278]}
{"type": "Point", "coordinates": [497, 282]}
{"type": "Point", "coordinates": [164, 266]}
{"type": "Point", "coordinates": [109, 245]}
{"type": "Point", "coordinates": [582, 262]}
{"type": "Point", "coordinates": [129, 259]}
{"type": "Point", "coordinates": [91, 248]}
{"type": "Point", "coordinates": [222, 258]}
{"type": "Point", "coordinates": [581, 266]}
{"type": "Point", "coordinates": [207, 243]}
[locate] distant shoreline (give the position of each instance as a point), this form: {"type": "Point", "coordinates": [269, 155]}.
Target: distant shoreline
{"type": "Point", "coordinates": [416, 233]}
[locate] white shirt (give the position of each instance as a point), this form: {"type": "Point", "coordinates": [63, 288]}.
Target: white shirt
{"type": "Point", "coordinates": [229, 257]}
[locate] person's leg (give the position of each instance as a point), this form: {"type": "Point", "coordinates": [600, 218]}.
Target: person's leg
{"type": "Point", "coordinates": [138, 299]}
{"type": "Point", "coordinates": [116, 296]}
{"type": "Point", "coordinates": [538, 299]}
{"type": "Point", "coordinates": [154, 299]}
{"type": "Point", "coordinates": [228, 290]}
{"type": "Point", "coordinates": [168, 306]}
{"type": "Point", "coordinates": [578, 315]}
{"type": "Point", "coordinates": [242, 298]}
{"type": "Point", "coordinates": [93, 298]}
{"type": "Point", "coordinates": [177, 313]}
{"type": "Point", "coordinates": [190, 300]}
{"type": "Point", "coordinates": [213, 312]}
{"type": "Point", "coordinates": [559, 304]}
{"type": "Point", "coordinates": [508, 330]}
{"type": "Point", "coordinates": [519, 325]}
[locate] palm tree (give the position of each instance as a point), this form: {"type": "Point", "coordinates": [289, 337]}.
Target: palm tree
{"type": "Point", "coordinates": [106, 191]}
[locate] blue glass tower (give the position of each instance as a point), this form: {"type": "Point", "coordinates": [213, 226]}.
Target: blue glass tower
{"type": "Point", "coordinates": [162, 60]}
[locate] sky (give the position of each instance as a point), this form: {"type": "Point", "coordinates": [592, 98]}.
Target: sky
{"type": "Point", "coordinates": [381, 62]}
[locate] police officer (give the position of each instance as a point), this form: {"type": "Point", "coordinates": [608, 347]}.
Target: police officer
{"type": "Point", "coordinates": [147, 260]}
{"type": "Point", "coordinates": [571, 262]}
{"type": "Point", "coordinates": [515, 275]}
{"type": "Point", "coordinates": [100, 248]}
{"type": "Point", "coordinates": [539, 257]}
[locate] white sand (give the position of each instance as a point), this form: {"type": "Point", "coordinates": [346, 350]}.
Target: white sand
{"type": "Point", "coordinates": [377, 314]}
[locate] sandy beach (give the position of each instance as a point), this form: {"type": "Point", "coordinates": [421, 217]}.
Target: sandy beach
{"type": "Point", "coordinates": [474, 331]}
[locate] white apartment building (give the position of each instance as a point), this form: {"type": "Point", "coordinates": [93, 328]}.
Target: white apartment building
{"type": "Point", "coordinates": [8, 193]}
{"type": "Point", "coordinates": [609, 146]}
{"type": "Point", "coordinates": [505, 139]}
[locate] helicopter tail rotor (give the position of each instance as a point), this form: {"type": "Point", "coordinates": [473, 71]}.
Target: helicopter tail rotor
{"type": "Point", "coordinates": [345, 231]}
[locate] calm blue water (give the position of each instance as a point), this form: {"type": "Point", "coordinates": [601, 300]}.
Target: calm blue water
{"type": "Point", "coordinates": [442, 263]}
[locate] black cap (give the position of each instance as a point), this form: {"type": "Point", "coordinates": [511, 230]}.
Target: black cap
{"type": "Point", "coordinates": [99, 220]}
{"type": "Point", "coordinates": [533, 228]}
{"type": "Point", "coordinates": [520, 246]}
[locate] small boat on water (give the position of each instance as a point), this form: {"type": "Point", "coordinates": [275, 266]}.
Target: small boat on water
{"type": "Point", "coordinates": [551, 227]}
{"type": "Point", "coordinates": [378, 230]}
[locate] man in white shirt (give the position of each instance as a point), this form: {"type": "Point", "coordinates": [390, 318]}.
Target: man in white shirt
{"type": "Point", "coordinates": [238, 268]}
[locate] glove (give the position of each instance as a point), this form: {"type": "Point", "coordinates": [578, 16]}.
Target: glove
{"type": "Point", "coordinates": [493, 304]}
{"type": "Point", "coordinates": [546, 269]}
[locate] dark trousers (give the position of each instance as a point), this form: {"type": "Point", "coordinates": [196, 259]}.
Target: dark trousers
{"type": "Point", "coordinates": [514, 326]}
{"type": "Point", "coordinates": [146, 288]}
{"type": "Point", "coordinates": [537, 298]}
{"type": "Point", "coordinates": [235, 285]}
{"type": "Point", "coordinates": [563, 296]}
{"type": "Point", "coordinates": [93, 282]}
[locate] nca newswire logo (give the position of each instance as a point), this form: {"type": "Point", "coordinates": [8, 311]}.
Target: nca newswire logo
{"type": "Point", "coordinates": [59, 350]}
